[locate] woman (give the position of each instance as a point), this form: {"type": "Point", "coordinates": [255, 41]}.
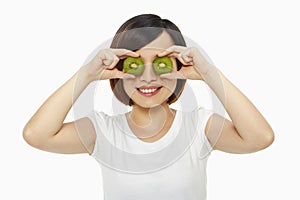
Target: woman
{"type": "Point", "coordinates": [152, 151]}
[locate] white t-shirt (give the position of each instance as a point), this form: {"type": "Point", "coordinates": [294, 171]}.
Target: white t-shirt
{"type": "Point", "coordinates": [173, 167]}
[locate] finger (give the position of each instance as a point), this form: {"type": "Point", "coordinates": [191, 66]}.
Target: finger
{"type": "Point", "coordinates": [122, 75]}
{"type": "Point", "coordinates": [172, 49]}
{"type": "Point", "coordinates": [109, 74]}
{"type": "Point", "coordinates": [115, 73]}
{"type": "Point", "coordinates": [114, 62]}
{"type": "Point", "coordinates": [186, 58]}
{"type": "Point", "coordinates": [108, 58]}
{"type": "Point", "coordinates": [128, 76]}
{"type": "Point", "coordinates": [108, 62]}
{"type": "Point", "coordinates": [185, 61]}
{"type": "Point", "coordinates": [172, 75]}
{"type": "Point", "coordinates": [179, 57]}
{"type": "Point", "coordinates": [121, 53]}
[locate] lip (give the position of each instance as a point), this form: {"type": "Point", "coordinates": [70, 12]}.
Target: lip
{"type": "Point", "coordinates": [149, 94]}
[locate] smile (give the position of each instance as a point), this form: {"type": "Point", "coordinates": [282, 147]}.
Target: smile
{"type": "Point", "coordinates": [149, 91]}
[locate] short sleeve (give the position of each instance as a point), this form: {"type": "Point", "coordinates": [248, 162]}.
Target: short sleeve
{"type": "Point", "coordinates": [99, 121]}
{"type": "Point", "coordinates": [202, 117]}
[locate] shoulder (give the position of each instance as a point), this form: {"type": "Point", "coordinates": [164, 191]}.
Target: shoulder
{"type": "Point", "coordinates": [202, 115]}
{"type": "Point", "coordinates": [99, 116]}
{"type": "Point", "coordinates": [197, 118]}
{"type": "Point", "coordinates": [103, 121]}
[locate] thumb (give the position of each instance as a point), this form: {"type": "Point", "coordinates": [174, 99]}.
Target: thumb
{"type": "Point", "coordinates": [172, 75]}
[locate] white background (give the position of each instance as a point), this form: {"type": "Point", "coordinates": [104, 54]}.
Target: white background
{"type": "Point", "coordinates": [254, 43]}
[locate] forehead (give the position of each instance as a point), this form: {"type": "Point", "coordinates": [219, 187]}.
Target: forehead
{"type": "Point", "coordinates": [162, 42]}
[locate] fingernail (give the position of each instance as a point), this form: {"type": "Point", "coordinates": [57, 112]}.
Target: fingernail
{"type": "Point", "coordinates": [167, 76]}
{"type": "Point", "coordinates": [128, 76]}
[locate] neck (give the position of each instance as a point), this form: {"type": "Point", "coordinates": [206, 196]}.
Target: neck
{"type": "Point", "coordinates": [144, 117]}
{"type": "Point", "coordinates": [150, 124]}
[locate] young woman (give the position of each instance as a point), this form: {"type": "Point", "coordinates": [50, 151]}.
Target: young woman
{"type": "Point", "coordinates": [152, 151]}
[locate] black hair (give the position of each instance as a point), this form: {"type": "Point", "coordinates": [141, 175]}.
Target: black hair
{"type": "Point", "coordinates": [136, 33]}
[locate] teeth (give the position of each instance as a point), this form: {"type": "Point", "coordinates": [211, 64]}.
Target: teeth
{"type": "Point", "coordinates": [148, 90]}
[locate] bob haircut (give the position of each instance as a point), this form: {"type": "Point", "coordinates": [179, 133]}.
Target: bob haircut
{"type": "Point", "coordinates": [136, 33]}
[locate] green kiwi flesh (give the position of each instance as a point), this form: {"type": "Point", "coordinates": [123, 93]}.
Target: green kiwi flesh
{"type": "Point", "coordinates": [162, 65]}
{"type": "Point", "coordinates": [134, 66]}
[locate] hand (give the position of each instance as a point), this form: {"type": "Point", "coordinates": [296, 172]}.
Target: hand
{"type": "Point", "coordinates": [102, 66]}
{"type": "Point", "coordinates": [194, 64]}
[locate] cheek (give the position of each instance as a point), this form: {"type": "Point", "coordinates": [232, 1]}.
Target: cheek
{"type": "Point", "coordinates": [170, 85]}
{"type": "Point", "coordinates": [128, 86]}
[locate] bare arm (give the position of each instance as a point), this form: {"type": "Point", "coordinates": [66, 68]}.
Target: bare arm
{"type": "Point", "coordinates": [46, 129]}
{"type": "Point", "coordinates": [247, 130]}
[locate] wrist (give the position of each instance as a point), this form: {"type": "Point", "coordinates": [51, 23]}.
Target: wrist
{"type": "Point", "coordinates": [211, 73]}
{"type": "Point", "coordinates": [85, 75]}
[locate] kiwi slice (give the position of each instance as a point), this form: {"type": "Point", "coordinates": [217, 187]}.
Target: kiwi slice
{"type": "Point", "coordinates": [133, 65]}
{"type": "Point", "coordinates": [162, 65]}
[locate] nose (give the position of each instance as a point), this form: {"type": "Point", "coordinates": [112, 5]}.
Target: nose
{"type": "Point", "coordinates": [148, 74]}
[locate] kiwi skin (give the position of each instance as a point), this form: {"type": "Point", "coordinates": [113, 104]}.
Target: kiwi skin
{"type": "Point", "coordinates": [162, 65]}
{"type": "Point", "coordinates": [134, 66]}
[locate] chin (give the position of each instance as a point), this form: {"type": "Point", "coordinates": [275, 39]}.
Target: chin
{"type": "Point", "coordinates": [147, 105]}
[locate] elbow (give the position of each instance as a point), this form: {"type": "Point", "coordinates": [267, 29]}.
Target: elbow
{"type": "Point", "coordinates": [269, 138]}
{"type": "Point", "coordinates": [263, 141]}
{"type": "Point", "coordinates": [28, 136]}
{"type": "Point", "coordinates": [31, 137]}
